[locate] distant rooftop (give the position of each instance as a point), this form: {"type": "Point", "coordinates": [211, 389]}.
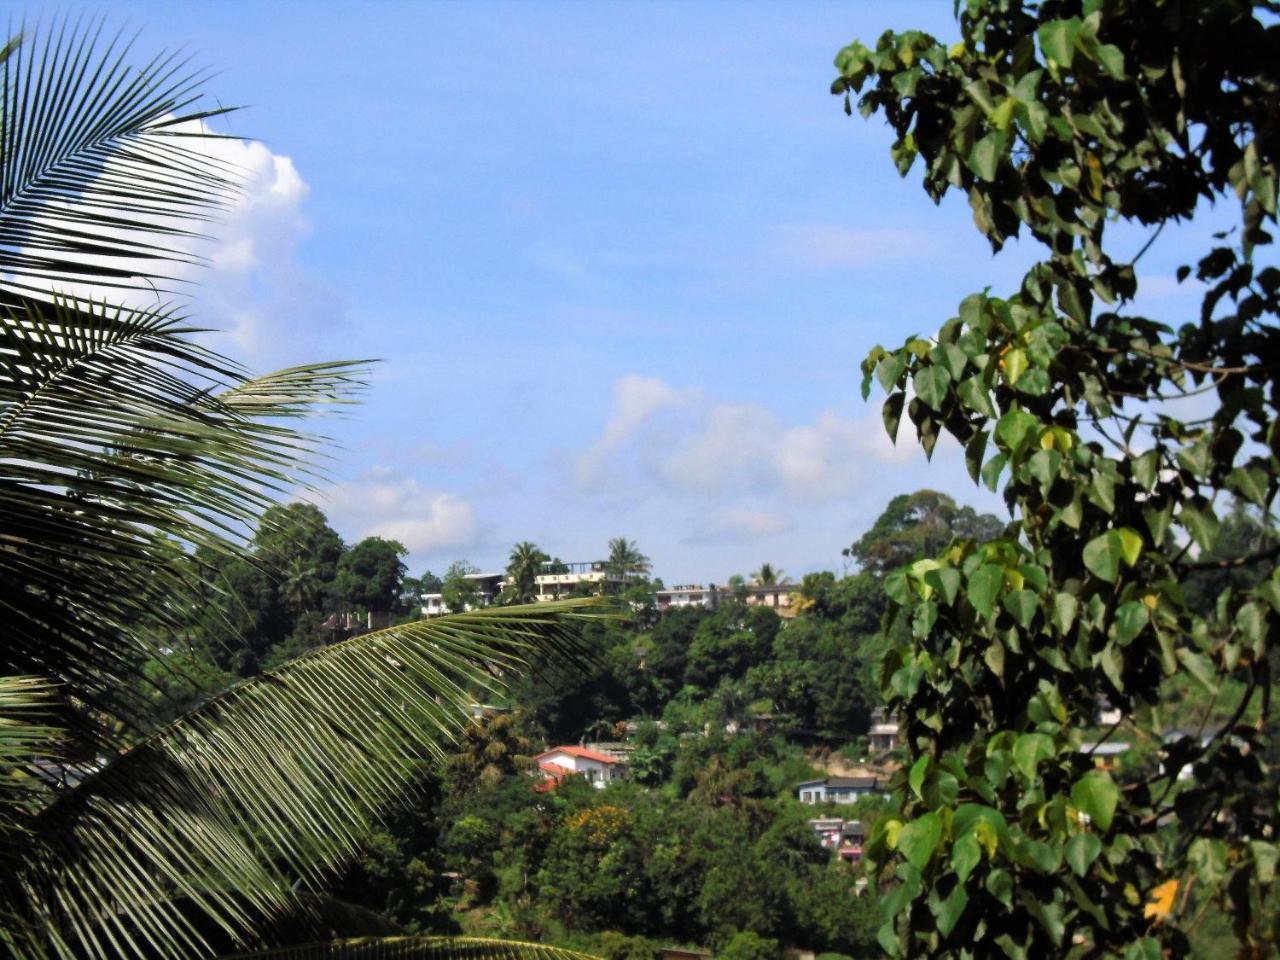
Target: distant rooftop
{"type": "Point", "coordinates": [581, 752]}
{"type": "Point", "coordinates": [578, 566]}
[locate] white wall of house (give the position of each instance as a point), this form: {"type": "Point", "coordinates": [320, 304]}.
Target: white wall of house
{"type": "Point", "coordinates": [594, 771]}
{"type": "Point", "coordinates": [820, 791]}
{"type": "Point", "coordinates": [883, 737]}
{"type": "Point", "coordinates": [686, 595]}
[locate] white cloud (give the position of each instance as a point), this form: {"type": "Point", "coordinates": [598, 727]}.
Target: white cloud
{"type": "Point", "coordinates": [687, 444]}
{"type": "Point", "coordinates": [739, 525]}
{"type": "Point", "coordinates": [384, 503]}
{"type": "Point", "coordinates": [826, 246]}
{"type": "Point", "coordinates": [636, 400]}
{"type": "Point", "coordinates": [255, 288]}
{"type": "Point", "coordinates": [244, 277]}
{"type": "Point", "coordinates": [445, 522]}
{"type": "Point", "coordinates": [735, 441]}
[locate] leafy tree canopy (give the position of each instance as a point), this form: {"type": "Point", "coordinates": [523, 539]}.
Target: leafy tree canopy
{"type": "Point", "coordinates": [369, 574]}
{"type": "Point", "coordinates": [298, 531]}
{"type": "Point", "coordinates": [918, 525]}
{"type": "Point", "coordinates": [459, 592]}
{"type": "Point", "coordinates": [1057, 119]}
{"type": "Point", "coordinates": [768, 575]}
{"type": "Point", "coordinates": [414, 587]}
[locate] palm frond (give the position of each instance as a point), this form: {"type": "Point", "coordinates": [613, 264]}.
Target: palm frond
{"type": "Point", "coordinates": [207, 822]}
{"type": "Point", "coordinates": [120, 436]}
{"type": "Point", "coordinates": [123, 444]}
{"type": "Point", "coordinates": [417, 948]}
{"type": "Point", "coordinates": [27, 738]}
{"type": "Point", "coordinates": [96, 185]}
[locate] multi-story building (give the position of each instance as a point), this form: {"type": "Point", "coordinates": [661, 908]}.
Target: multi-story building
{"type": "Point", "coordinates": [689, 595]}
{"type": "Point", "coordinates": [883, 735]}
{"type": "Point", "coordinates": [564, 579]}
{"type": "Point", "coordinates": [487, 588]}
{"type": "Point", "coordinates": [776, 596]}
{"type": "Point", "coordinates": [846, 837]}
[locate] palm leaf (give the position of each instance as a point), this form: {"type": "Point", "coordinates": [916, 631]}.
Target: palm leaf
{"type": "Point", "coordinates": [123, 444]}
{"type": "Point", "coordinates": [417, 948]}
{"type": "Point", "coordinates": [97, 183]}
{"type": "Point", "coordinates": [119, 437]}
{"type": "Point", "coordinates": [207, 823]}
{"type": "Point", "coordinates": [27, 737]}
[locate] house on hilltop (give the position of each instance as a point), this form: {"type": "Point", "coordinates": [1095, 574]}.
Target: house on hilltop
{"type": "Point", "coordinates": [486, 587]}
{"type": "Point", "coordinates": [883, 736]}
{"type": "Point", "coordinates": [837, 789]}
{"type": "Point", "coordinates": [557, 579]}
{"type": "Point", "coordinates": [775, 596]}
{"type": "Point", "coordinates": [598, 768]}
{"type": "Point", "coordinates": [688, 595]}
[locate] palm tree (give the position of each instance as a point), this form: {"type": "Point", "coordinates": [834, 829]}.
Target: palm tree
{"type": "Point", "coordinates": [489, 749]}
{"type": "Point", "coordinates": [769, 575]}
{"type": "Point", "coordinates": [127, 451]}
{"type": "Point", "coordinates": [523, 566]}
{"type": "Point", "coordinates": [625, 558]}
{"type": "Point", "coordinates": [300, 585]}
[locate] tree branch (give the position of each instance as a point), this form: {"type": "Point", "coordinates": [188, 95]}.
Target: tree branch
{"type": "Point", "coordinates": [1245, 561]}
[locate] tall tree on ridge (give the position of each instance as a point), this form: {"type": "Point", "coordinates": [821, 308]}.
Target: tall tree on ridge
{"type": "Point", "coordinates": [768, 575]}
{"type": "Point", "coordinates": [625, 558]}
{"type": "Point", "coordinates": [369, 574]}
{"type": "Point", "coordinates": [523, 566]}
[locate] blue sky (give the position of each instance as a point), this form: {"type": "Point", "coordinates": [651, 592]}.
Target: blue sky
{"type": "Point", "coordinates": [620, 262]}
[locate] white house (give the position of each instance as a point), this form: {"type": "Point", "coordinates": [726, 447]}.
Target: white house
{"type": "Point", "coordinates": [687, 595]}
{"type": "Point", "coordinates": [557, 579]}
{"type": "Point", "coordinates": [837, 789]}
{"type": "Point", "coordinates": [487, 588]}
{"type": "Point", "coordinates": [598, 768]}
{"type": "Point", "coordinates": [883, 735]}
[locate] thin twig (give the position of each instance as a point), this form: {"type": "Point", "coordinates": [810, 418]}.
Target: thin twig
{"type": "Point", "coordinates": [1147, 246]}
{"type": "Point", "coordinates": [1234, 562]}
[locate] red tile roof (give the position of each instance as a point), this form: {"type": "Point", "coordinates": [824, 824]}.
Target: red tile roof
{"type": "Point", "coordinates": [581, 752]}
{"type": "Point", "coordinates": [553, 774]}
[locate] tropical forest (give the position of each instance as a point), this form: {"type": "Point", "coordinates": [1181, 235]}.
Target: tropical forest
{"type": "Point", "coordinates": [702, 481]}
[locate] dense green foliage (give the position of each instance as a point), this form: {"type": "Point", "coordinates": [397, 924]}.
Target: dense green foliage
{"type": "Point", "coordinates": [1139, 463]}
{"type": "Point", "coordinates": [721, 849]}
{"type": "Point", "coordinates": [524, 564]}
{"type": "Point", "coordinates": [725, 711]}
{"type": "Point", "coordinates": [259, 608]}
{"type": "Point", "coordinates": [1115, 441]}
